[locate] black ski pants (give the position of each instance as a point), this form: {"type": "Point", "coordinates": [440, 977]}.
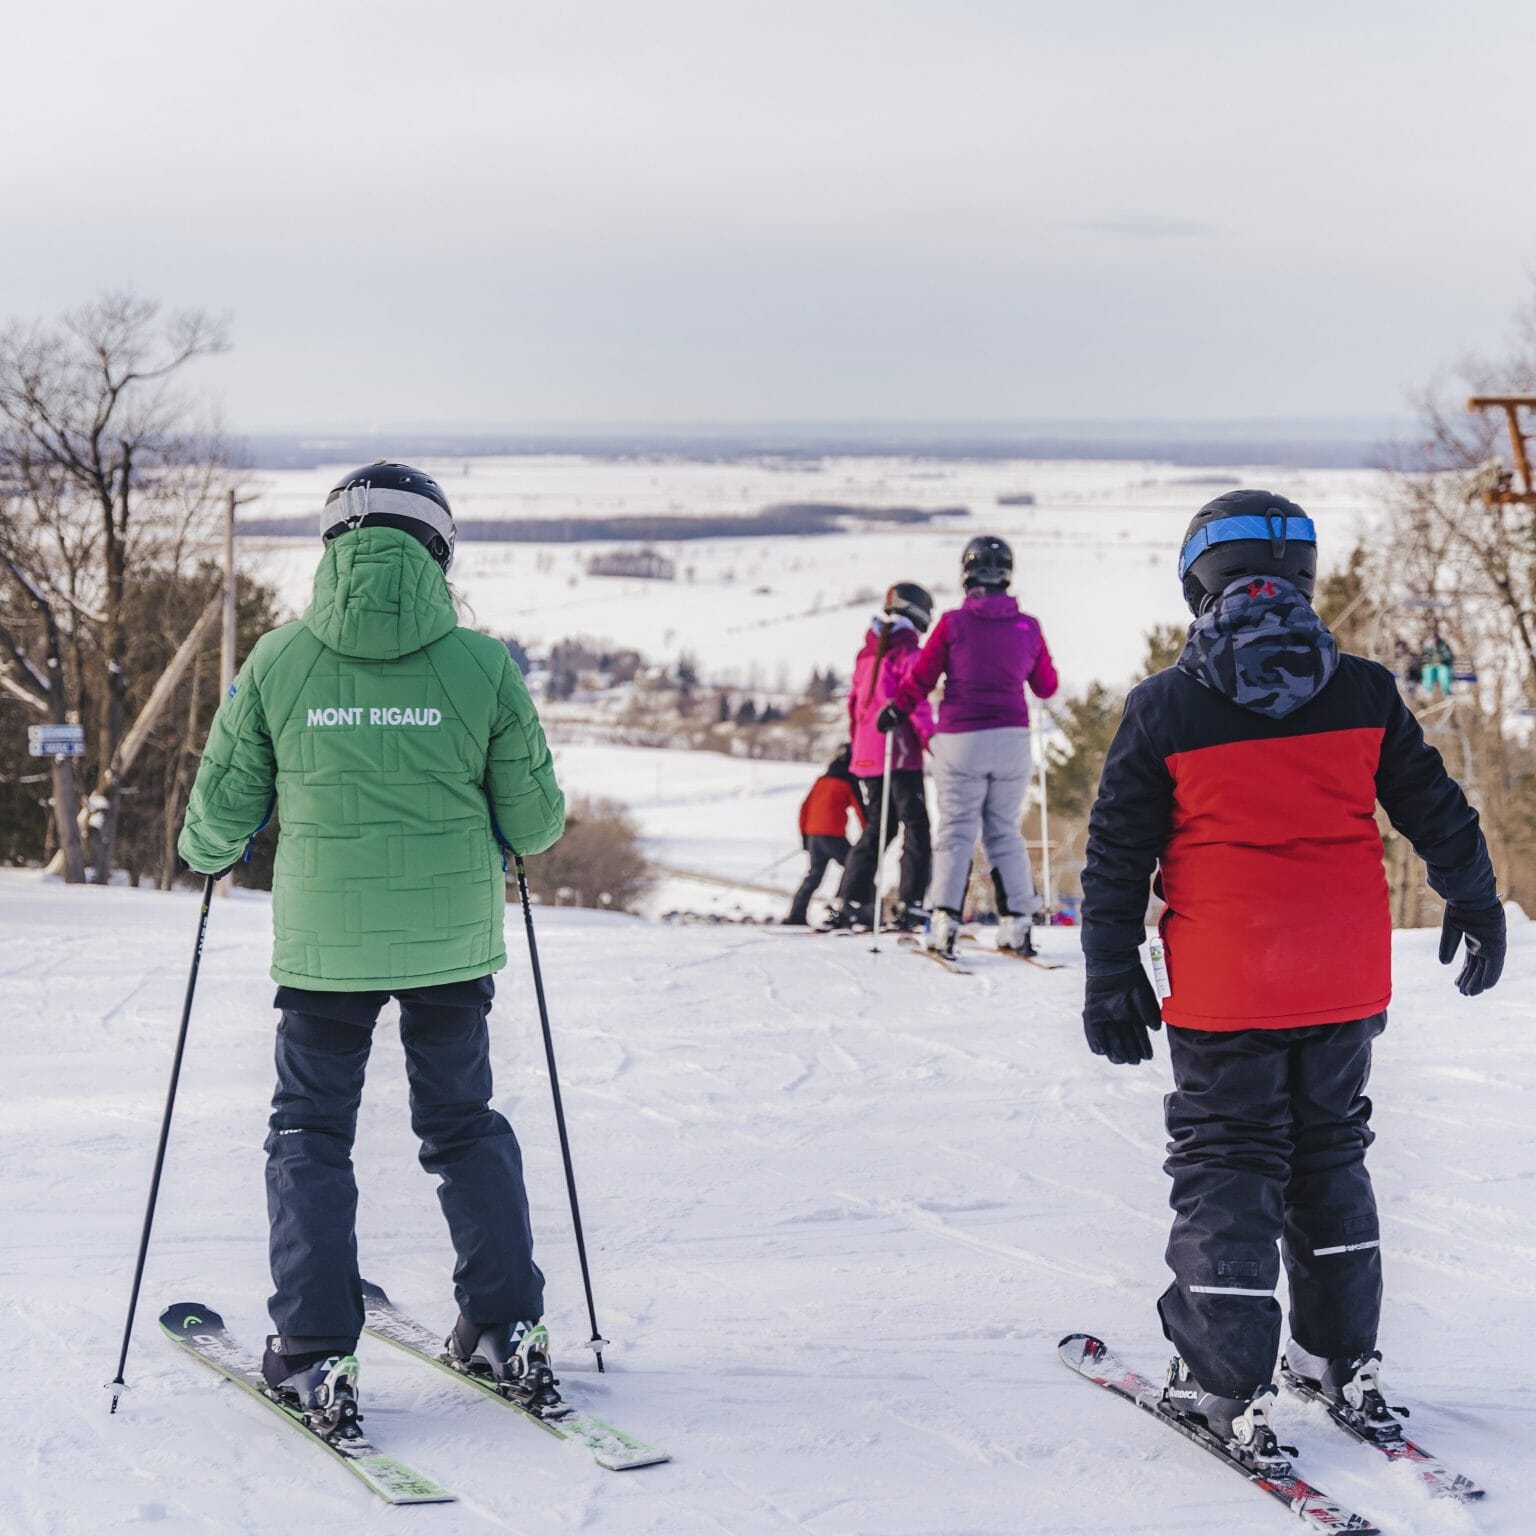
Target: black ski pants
{"type": "Point", "coordinates": [323, 1040]}
{"type": "Point", "coordinates": [823, 851]}
{"type": "Point", "coordinates": [1269, 1129]}
{"type": "Point", "coordinates": [909, 816]}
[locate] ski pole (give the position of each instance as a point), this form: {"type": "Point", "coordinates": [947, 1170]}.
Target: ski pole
{"type": "Point", "coordinates": [597, 1341]}
{"type": "Point", "coordinates": [117, 1384]}
{"type": "Point", "coordinates": [1045, 830]}
{"type": "Point", "coordinates": [885, 811]}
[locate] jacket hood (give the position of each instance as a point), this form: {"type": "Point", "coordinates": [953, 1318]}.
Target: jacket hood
{"type": "Point", "coordinates": [1263, 647]}
{"type": "Point", "coordinates": [903, 634]}
{"type": "Point", "coordinates": [991, 605]}
{"type": "Point", "coordinates": [379, 595]}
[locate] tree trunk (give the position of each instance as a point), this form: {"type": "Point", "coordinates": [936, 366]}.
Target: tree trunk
{"type": "Point", "coordinates": [103, 816]}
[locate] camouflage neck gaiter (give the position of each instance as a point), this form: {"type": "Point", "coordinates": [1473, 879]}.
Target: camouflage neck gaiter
{"type": "Point", "coordinates": [1263, 647]}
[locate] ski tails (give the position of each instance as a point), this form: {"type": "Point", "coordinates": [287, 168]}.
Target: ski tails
{"type": "Point", "coordinates": [1093, 1359]}
{"type": "Point", "coordinates": [200, 1331]}
{"type": "Point", "coordinates": [1391, 1442]}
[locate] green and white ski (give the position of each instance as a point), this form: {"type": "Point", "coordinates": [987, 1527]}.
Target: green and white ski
{"type": "Point", "coordinates": [200, 1331]}
{"type": "Point", "coordinates": [609, 1447]}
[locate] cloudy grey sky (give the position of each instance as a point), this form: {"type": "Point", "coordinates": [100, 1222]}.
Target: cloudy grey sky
{"type": "Point", "coordinates": [484, 214]}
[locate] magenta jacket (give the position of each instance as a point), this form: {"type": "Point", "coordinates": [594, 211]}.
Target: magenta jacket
{"type": "Point", "coordinates": [864, 707]}
{"type": "Point", "coordinates": [985, 651]}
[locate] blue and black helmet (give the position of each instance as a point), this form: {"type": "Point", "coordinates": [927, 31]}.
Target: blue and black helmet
{"type": "Point", "coordinates": [1246, 533]}
{"type": "Point", "coordinates": [387, 495]}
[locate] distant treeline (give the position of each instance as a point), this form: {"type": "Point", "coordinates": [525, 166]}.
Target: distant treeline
{"type": "Point", "coordinates": [788, 518]}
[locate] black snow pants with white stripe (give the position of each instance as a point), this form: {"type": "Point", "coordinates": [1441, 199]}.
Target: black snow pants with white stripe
{"type": "Point", "coordinates": [1268, 1134]}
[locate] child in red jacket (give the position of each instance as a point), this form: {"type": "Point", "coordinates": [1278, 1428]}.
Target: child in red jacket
{"type": "Point", "coordinates": [1247, 777]}
{"type": "Point", "coordinates": [824, 829]}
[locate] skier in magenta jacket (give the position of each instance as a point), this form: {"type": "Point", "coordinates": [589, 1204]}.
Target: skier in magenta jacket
{"type": "Point", "coordinates": [890, 653]}
{"type": "Point", "coordinates": [986, 651]}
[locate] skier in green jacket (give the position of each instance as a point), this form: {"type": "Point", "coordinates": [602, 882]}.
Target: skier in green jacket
{"type": "Point", "coordinates": [404, 756]}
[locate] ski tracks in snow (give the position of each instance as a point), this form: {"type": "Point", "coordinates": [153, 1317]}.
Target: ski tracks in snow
{"type": "Point", "coordinates": [840, 1208]}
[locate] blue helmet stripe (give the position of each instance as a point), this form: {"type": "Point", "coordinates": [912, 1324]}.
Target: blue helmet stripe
{"type": "Point", "coordinates": [1229, 529]}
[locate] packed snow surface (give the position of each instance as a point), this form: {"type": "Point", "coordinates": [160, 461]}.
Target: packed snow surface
{"type": "Point", "coordinates": [841, 1208]}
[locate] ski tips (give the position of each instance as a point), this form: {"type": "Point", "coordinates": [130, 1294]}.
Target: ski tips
{"type": "Point", "coordinates": [183, 1317]}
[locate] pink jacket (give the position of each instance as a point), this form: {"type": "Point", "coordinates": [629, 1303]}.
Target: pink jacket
{"type": "Point", "coordinates": [866, 702]}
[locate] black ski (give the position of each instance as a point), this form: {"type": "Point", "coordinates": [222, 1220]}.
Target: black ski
{"type": "Point", "coordinates": [1391, 1442]}
{"type": "Point", "coordinates": [1091, 1358]}
{"type": "Point", "coordinates": [200, 1331]}
{"type": "Point", "coordinates": [609, 1447]}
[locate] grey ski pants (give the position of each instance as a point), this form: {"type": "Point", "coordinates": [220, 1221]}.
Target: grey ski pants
{"type": "Point", "coordinates": [1269, 1129]}
{"type": "Point", "coordinates": [981, 778]}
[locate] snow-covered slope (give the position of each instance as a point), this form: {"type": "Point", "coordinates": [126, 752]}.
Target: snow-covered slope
{"type": "Point", "coordinates": [841, 1207]}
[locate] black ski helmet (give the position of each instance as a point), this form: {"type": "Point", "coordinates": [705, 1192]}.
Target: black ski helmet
{"type": "Point", "coordinates": [387, 495]}
{"type": "Point", "coordinates": [1246, 533]}
{"type": "Point", "coordinates": [987, 562]}
{"type": "Point", "coordinates": [911, 602]}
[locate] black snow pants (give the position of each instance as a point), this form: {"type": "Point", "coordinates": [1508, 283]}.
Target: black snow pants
{"type": "Point", "coordinates": [909, 816]}
{"type": "Point", "coordinates": [323, 1040]}
{"type": "Point", "coordinates": [1269, 1129]}
{"type": "Point", "coordinates": [823, 851]}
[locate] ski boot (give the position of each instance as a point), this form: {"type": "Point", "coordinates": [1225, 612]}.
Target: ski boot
{"type": "Point", "coordinates": [323, 1387]}
{"type": "Point", "coordinates": [906, 917]}
{"type": "Point", "coordinates": [941, 932]}
{"type": "Point", "coordinates": [1013, 937]}
{"type": "Point", "coordinates": [1239, 1425]}
{"type": "Point", "coordinates": [847, 915]}
{"type": "Point", "coordinates": [1352, 1386]}
{"type": "Point", "coordinates": [516, 1357]}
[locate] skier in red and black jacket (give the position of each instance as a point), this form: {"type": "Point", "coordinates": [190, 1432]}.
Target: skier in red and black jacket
{"type": "Point", "coordinates": [1247, 778]}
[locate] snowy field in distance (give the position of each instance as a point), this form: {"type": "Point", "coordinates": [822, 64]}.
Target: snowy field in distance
{"type": "Point", "coordinates": [1096, 555]}
{"type": "Point", "coordinates": [841, 1208]}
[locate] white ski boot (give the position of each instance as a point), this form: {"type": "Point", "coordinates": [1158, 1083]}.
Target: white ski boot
{"type": "Point", "coordinates": [1352, 1387]}
{"type": "Point", "coordinates": [941, 932]}
{"type": "Point", "coordinates": [1013, 936]}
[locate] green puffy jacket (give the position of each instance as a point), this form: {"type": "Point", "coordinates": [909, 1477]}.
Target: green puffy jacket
{"type": "Point", "coordinates": [398, 749]}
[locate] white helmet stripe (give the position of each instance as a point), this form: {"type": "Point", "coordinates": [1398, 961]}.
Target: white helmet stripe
{"type": "Point", "coordinates": [353, 505]}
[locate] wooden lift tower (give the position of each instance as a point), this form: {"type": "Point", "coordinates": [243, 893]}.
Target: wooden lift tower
{"type": "Point", "coordinates": [1510, 487]}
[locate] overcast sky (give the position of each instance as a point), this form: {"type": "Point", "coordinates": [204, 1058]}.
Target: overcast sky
{"type": "Point", "coordinates": [471, 214]}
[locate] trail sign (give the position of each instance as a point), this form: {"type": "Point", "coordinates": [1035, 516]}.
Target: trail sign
{"type": "Point", "coordinates": [56, 740]}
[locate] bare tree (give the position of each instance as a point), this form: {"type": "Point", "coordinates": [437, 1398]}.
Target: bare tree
{"type": "Point", "coordinates": [41, 686]}
{"type": "Point", "coordinates": [108, 462]}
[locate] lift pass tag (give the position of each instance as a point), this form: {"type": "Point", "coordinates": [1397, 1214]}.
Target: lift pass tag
{"type": "Point", "coordinates": [1159, 968]}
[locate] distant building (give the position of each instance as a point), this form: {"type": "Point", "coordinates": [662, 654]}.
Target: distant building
{"type": "Point", "coordinates": [1017, 499]}
{"type": "Point", "coordinates": [641, 564]}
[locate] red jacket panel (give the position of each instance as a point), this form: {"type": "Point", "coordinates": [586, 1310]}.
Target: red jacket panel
{"type": "Point", "coordinates": [824, 811]}
{"type": "Point", "coordinates": [1277, 898]}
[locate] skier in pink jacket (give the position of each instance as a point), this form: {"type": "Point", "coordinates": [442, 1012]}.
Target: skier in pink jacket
{"type": "Point", "coordinates": [890, 652]}
{"type": "Point", "coordinates": [986, 651]}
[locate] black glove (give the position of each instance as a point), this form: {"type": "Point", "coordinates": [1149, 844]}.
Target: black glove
{"type": "Point", "coordinates": [1118, 1010]}
{"type": "Point", "coordinates": [1483, 929]}
{"type": "Point", "coordinates": [889, 718]}
{"type": "Point", "coordinates": [203, 874]}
